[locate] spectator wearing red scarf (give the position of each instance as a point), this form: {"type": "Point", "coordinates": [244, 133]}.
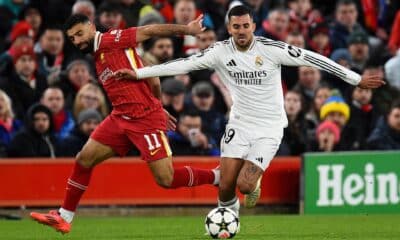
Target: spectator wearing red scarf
{"type": "Point", "coordinates": [24, 84]}
{"type": "Point", "coordinates": [319, 39]}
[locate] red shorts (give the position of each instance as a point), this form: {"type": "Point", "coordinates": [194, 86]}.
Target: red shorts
{"type": "Point", "coordinates": [147, 134]}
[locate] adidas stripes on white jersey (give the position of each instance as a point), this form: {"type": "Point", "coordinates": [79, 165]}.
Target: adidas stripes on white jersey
{"type": "Point", "coordinates": [253, 77]}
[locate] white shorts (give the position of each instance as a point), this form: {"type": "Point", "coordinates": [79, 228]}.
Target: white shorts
{"type": "Point", "coordinates": [239, 143]}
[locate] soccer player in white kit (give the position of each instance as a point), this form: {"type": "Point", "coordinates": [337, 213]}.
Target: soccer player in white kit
{"type": "Point", "coordinates": [250, 67]}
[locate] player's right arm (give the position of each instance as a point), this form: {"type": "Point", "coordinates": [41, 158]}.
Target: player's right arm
{"type": "Point", "coordinates": [203, 60]}
{"type": "Point", "coordinates": [160, 30]}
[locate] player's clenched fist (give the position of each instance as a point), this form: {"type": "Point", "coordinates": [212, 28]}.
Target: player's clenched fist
{"type": "Point", "coordinates": [196, 26]}
{"type": "Point", "coordinates": [125, 74]}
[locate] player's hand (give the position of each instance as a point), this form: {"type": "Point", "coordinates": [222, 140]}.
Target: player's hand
{"type": "Point", "coordinates": [371, 81]}
{"type": "Point", "coordinates": [125, 74]}
{"type": "Point", "coordinates": [171, 121]}
{"type": "Point", "coordinates": [196, 26]}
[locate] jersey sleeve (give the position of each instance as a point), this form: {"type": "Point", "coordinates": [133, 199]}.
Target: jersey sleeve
{"type": "Point", "coordinates": [286, 54]}
{"type": "Point", "coordinates": [202, 60]}
{"type": "Point", "coordinates": [119, 38]}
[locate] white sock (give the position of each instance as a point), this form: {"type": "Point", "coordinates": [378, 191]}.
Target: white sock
{"type": "Point", "coordinates": [66, 215]}
{"type": "Point", "coordinates": [232, 204]}
{"type": "Point", "coordinates": [217, 176]}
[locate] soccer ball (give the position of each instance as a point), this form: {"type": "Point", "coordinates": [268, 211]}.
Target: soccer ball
{"type": "Point", "coordinates": [222, 223]}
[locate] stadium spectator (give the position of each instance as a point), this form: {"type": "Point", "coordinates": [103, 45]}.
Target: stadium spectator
{"type": "Point", "coordinates": [346, 14]}
{"type": "Point", "coordinates": [189, 139]}
{"type": "Point", "coordinates": [8, 124]}
{"type": "Point", "coordinates": [85, 7]}
{"type": "Point", "coordinates": [63, 122]}
{"type": "Point", "coordinates": [87, 121]}
{"type": "Point", "coordinates": [173, 96]}
{"type": "Point", "coordinates": [302, 15]}
{"type": "Point", "coordinates": [319, 39]}
{"type": "Point", "coordinates": [110, 15]}
{"type": "Point", "coordinates": [290, 74]}
{"type": "Point", "coordinates": [392, 70]}
{"type": "Point", "coordinates": [21, 34]}
{"type": "Point", "coordinates": [184, 12]}
{"type": "Point", "coordinates": [275, 26]}
{"type": "Point", "coordinates": [11, 8]}
{"type": "Point", "coordinates": [36, 139]}
{"type": "Point", "coordinates": [203, 99]}
{"type": "Point", "coordinates": [24, 86]}
{"type": "Point", "coordinates": [6, 60]}
{"type": "Point", "coordinates": [296, 39]}
{"type": "Point", "coordinates": [327, 137]}
{"type": "Point", "coordinates": [312, 116]}
{"type": "Point", "coordinates": [295, 134]}
{"type": "Point", "coordinates": [21, 29]}
{"type": "Point", "coordinates": [160, 50]}
{"type": "Point", "coordinates": [341, 56]}
{"type": "Point", "coordinates": [132, 10]}
{"type": "Point", "coordinates": [50, 53]}
{"type": "Point", "coordinates": [90, 96]}
{"type": "Point", "coordinates": [32, 15]}
{"type": "Point", "coordinates": [336, 110]}
{"type": "Point", "coordinates": [394, 39]}
{"type": "Point", "coordinates": [205, 39]}
{"type": "Point", "coordinates": [309, 81]}
{"type": "Point", "coordinates": [386, 135]}
{"type": "Point", "coordinates": [383, 97]}
{"type": "Point", "coordinates": [151, 17]}
{"type": "Point", "coordinates": [76, 75]}
{"type": "Point", "coordinates": [363, 116]}
{"type": "Point", "coordinates": [358, 49]}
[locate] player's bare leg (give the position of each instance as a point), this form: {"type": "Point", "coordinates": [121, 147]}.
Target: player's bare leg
{"type": "Point", "coordinates": [249, 182]}
{"type": "Point", "coordinates": [169, 177]}
{"type": "Point", "coordinates": [230, 169]}
{"type": "Point", "coordinates": [91, 154]}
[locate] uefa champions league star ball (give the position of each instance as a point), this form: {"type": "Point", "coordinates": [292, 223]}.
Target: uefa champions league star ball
{"type": "Point", "coordinates": [222, 223]}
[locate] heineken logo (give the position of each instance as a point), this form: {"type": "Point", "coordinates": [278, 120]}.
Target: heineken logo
{"type": "Point", "coordinates": [338, 187]}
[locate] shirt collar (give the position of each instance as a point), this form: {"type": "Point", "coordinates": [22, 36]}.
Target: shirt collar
{"type": "Point", "coordinates": [97, 40]}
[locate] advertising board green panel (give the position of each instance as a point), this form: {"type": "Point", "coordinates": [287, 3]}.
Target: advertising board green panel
{"type": "Point", "coordinates": [351, 182]}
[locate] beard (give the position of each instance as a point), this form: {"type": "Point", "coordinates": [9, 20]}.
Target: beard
{"type": "Point", "coordinates": [89, 48]}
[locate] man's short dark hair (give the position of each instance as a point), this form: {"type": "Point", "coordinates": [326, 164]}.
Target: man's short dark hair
{"type": "Point", "coordinates": [50, 27]}
{"type": "Point", "coordinates": [75, 19]}
{"type": "Point", "coordinates": [344, 2]}
{"type": "Point", "coordinates": [189, 113]}
{"type": "Point", "coordinates": [395, 104]}
{"type": "Point", "coordinates": [239, 10]}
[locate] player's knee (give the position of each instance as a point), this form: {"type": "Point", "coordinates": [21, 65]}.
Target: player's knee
{"type": "Point", "coordinates": [245, 187]}
{"type": "Point", "coordinates": [85, 160]}
{"type": "Point", "coordinates": [165, 181]}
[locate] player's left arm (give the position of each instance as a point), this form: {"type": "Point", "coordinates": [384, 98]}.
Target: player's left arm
{"type": "Point", "coordinates": [294, 56]}
{"type": "Point", "coordinates": [160, 30]}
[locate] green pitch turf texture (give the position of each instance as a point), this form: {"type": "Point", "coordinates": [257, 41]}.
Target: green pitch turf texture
{"type": "Point", "coordinates": [280, 227]}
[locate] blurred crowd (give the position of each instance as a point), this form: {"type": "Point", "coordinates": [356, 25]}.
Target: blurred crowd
{"type": "Point", "coordinates": [50, 100]}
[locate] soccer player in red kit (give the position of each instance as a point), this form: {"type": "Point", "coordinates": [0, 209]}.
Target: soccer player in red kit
{"type": "Point", "coordinates": [137, 117]}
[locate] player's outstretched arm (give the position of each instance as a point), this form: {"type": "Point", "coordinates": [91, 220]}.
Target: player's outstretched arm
{"type": "Point", "coordinates": [294, 56]}
{"type": "Point", "coordinates": [160, 30]}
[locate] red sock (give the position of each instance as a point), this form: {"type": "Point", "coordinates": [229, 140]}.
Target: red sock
{"type": "Point", "coordinates": [189, 177]}
{"type": "Point", "coordinates": [76, 186]}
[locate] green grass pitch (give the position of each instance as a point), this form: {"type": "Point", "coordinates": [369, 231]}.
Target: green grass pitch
{"type": "Point", "coordinates": [318, 227]}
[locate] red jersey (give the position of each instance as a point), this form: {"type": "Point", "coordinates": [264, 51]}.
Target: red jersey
{"type": "Point", "coordinates": [115, 50]}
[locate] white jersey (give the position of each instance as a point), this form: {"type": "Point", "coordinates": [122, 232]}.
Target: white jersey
{"type": "Point", "coordinates": [253, 77]}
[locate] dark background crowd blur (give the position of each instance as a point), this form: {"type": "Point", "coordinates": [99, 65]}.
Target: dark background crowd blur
{"type": "Point", "coordinates": [50, 100]}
